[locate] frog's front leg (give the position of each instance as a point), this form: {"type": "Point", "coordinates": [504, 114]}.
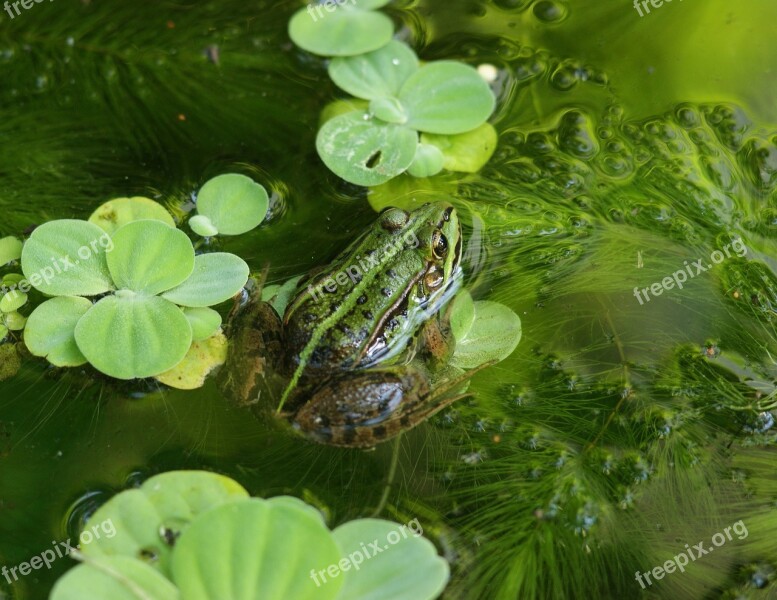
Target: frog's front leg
{"type": "Point", "coordinates": [364, 408]}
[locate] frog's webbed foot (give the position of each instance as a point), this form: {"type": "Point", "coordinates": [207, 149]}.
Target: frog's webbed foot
{"type": "Point", "coordinates": [253, 357]}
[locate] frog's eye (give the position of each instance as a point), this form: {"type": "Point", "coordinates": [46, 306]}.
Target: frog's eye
{"type": "Point", "coordinates": [393, 219]}
{"type": "Point", "coordinates": [439, 245]}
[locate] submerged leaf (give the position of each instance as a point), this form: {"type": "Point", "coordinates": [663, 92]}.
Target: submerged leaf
{"type": "Point", "coordinates": [466, 152]}
{"type": "Point", "coordinates": [50, 331]}
{"type": "Point", "coordinates": [428, 161]}
{"type": "Point", "coordinates": [130, 335]}
{"type": "Point", "coordinates": [494, 334]}
{"type": "Point", "coordinates": [118, 212]}
{"type": "Point", "coordinates": [202, 358]}
{"type": "Point", "coordinates": [364, 150]}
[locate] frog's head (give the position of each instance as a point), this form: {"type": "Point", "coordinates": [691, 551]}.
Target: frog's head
{"type": "Point", "coordinates": [434, 233]}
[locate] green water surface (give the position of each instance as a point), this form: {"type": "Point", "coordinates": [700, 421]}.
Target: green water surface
{"type": "Point", "coordinates": [617, 432]}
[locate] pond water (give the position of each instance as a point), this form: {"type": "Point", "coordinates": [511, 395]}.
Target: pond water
{"type": "Point", "coordinates": [633, 146]}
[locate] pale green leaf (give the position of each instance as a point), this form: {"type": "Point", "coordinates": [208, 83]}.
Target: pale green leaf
{"type": "Point", "coordinates": [255, 549]}
{"type": "Point", "coordinates": [150, 257]}
{"type": "Point", "coordinates": [12, 301]}
{"type": "Point", "coordinates": [115, 578]}
{"type": "Point", "coordinates": [377, 74]}
{"type": "Point", "coordinates": [495, 333]}
{"type": "Point", "coordinates": [132, 335]}
{"type": "Point", "coordinates": [428, 161]}
{"type": "Point", "coordinates": [204, 321]}
{"type": "Point", "coordinates": [15, 321]}
{"type": "Point", "coordinates": [233, 204]}
{"type": "Point", "coordinates": [10, 249]}
{"type": "Point", "coordinates": [466, 152]}
{"type": "Point", "coordinates": [68, 258]}
{"type": "Point", "coordinates": [446, 97]}
{"type": "Point", "coordinates": [148, 519]}
{"type": "Point", "coordinates": [364, 150]}
{"type": "Point", "coordinates": [462, 314]}
{"type": "Point", "coordinates": [344, 31]}
{"type": "Point", "coordinates": [406, 567]}
{"type": "Point", "coordinates": [201, 225]}
{"type": "Point", "coordinates": [216, 277]}
{"type": "Point", "coordinates": [50, 330]}
{"type": "Point", "coordinates": [118, 212]}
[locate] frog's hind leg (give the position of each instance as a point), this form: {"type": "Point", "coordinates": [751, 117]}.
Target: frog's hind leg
{"type": "Point", "coordinates": [368, 407]}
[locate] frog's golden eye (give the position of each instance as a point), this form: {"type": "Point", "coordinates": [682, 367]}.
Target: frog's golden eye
{"type": "Point", "coordinates": [393, 219]}
{"type": "Point", "coordinates": [439, 245]}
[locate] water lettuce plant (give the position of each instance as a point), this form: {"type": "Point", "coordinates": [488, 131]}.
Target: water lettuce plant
{"type": "Point", "coordinates": [405, 100]}
{"type": "Point", "coordinates": [144, 275]}
{"type": "Point", "coordinates": [197, 535]}
{"type": "Point", "coordinates": [440, 98]}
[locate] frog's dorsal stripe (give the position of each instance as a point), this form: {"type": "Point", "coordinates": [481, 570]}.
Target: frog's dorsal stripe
{"type": "Point", "coordinates": [349, 304]}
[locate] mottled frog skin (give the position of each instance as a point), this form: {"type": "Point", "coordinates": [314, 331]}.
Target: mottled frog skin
{"type": "Point", "coordinates": [352, 361]}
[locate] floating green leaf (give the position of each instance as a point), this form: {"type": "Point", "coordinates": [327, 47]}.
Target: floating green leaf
{"type": "Point", "coordinates": [10, 249]}
{"type": "Point", "coordinates": [346, 30]}
{"type": "Point", "coordinates": [150, 257]}
{"type": "Point", "coordinates": [255, 549]}
{"type": "Point", "coordinates": [150, 518]}
{"type": "Point", "coordinates": [446, 97]}
{"type": "Point", "coordinates": [50, 330]}
{"type": "Point", "coordinates": [365, 151]}
{"type": "Point", "coordinates": [427, 162]}
{"type": "Point", "coordinates": [495, 333]}
{"type": "Point", "coordinates": [204, 322]}
{"type": "Point", "coordinates": [409, 568]}
{"type": "Point", "coordinates": [15, 321]}
{"type": "Point", "coordinates": [233, 204]}
{"type": "Point", "coordinates": [116, 213]}
{"type": "Point", "coordinates": [466, 152]}
{"type": "Point", "coordinates": [202, 358]}
{"type": "Point", "coordinates": [12, 301]}
{"type": "Point", "coordinates": [216, 277]}
{"type": "Point", "coordinates": [462, 314]}
{"type": "Point", "coordinates": [114, 578]}
{"type": "Point", "coordinates": [342, 107]}
{"type": "Point", "coordinates": [201, 225]}
{"type": "Point", "coordinates": [377, 74]}
{"type": "Point", "coordinates": [389, 110]}
{"type": "Point", "coordinates": [131, 335]}
{"type": "Point", "coordinates": [68, 258]}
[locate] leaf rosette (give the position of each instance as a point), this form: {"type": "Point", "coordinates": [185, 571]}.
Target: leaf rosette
{"type": "Point", "coordinates": [143, 278]}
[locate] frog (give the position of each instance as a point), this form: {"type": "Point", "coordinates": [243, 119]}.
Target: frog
{"type": "Point", "coordinates": [360, 353]}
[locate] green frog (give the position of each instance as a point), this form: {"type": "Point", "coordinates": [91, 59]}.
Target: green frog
{"type": "Point", "coordinates": [360, 352]}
